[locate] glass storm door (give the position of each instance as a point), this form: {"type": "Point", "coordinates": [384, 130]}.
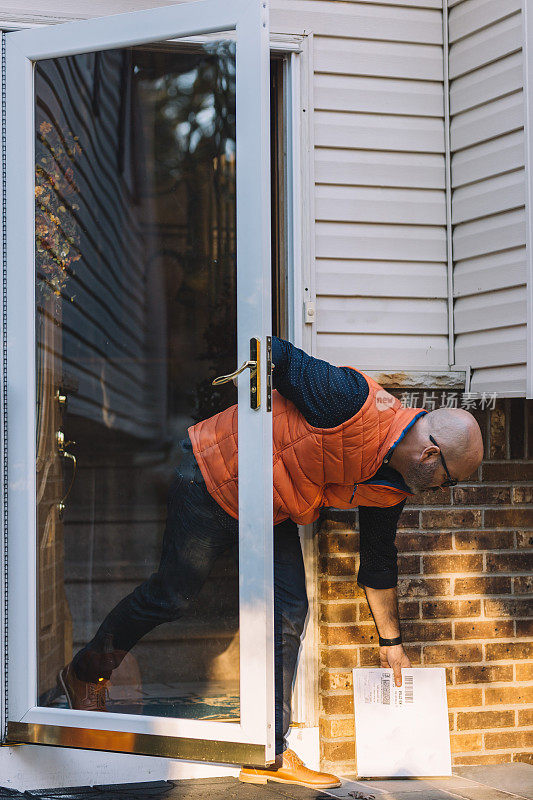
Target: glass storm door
{"type": "Point", "coordinates": [140, 612]}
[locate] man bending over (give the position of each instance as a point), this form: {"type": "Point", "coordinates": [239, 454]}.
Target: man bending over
{"type": "Point", "coordinates": [339, 440]}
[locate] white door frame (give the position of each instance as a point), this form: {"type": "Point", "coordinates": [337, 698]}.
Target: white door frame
{"type": "Point", "coordinates": [253, 737]}
{"type": "Point", "coordinates": [298, 78]}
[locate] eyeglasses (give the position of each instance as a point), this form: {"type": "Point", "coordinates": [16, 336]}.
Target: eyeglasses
{"type": "Point", "coordinates": [451, 481]}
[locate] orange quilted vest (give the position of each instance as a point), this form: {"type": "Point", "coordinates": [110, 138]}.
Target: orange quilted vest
{"type": "Point", "coordinates": [313, 467]}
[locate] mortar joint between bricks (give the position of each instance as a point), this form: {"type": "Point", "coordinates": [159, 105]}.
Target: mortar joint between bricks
{"type": "Point", "coordinates": [335, 739]}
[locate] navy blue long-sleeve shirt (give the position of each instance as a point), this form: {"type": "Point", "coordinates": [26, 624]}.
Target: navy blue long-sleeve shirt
{"type": "Point", "coordinates": [328, 396]}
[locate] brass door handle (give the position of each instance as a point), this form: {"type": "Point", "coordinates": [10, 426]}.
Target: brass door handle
{"type": "Point", "coordinates": [62, 445]}
{"type": "Point", "coordinates": [61, 504]}
{"type": "Point", "coordinates": [251, 364]}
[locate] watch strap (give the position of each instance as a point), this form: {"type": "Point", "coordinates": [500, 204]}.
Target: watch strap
{"type": "Point", "coordinates": [390, 642]}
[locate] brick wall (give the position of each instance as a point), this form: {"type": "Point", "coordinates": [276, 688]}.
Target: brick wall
{"type": "Point", "coordinates": [466, 601]}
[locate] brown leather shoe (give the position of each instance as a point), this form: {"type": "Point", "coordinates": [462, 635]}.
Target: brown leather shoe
{"type": "Point", "coordinates": [292, 770]}
{"type": "Point", "coordinates": [82, 695]}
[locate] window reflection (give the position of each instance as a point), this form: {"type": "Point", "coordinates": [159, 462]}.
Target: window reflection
{"type": "Point", "coordinates": [135, 315]}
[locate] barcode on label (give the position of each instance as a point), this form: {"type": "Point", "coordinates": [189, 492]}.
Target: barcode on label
{"type": "Point", "coordinates": [385, 690]}
{"type": "Point", "coordinates": [408, 688]}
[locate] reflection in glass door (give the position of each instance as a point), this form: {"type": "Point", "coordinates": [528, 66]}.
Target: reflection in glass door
{"type": "Point", "coordinates": [135, 210]}
{"type": "Point", "coordinates": [138, 260]}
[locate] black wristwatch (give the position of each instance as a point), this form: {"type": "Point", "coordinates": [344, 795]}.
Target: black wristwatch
{"type": "Point", "coordinates": [390, 642]}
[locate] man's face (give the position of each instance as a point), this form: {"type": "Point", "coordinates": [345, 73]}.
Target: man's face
{"type": "Point", "coordinates": [422, 475]}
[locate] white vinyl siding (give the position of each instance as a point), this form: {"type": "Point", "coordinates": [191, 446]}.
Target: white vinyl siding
{"type": "Point", "coordinates": [378, 120]}
{"type": "Point", "coordinates": [488, 197]}
{"type": "Point", "coordinates": [380, 206]}
{"type": "Point", "coordinates": [380, 244]}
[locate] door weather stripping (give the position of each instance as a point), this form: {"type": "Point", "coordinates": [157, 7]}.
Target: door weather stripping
{"type": "Point", "coordinates": [3, 402]}
{"type": "Point", "coordinates": [269, 373]}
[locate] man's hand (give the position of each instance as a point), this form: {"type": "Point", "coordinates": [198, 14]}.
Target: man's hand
{"type": "Point", "coordinates": [394, 657]}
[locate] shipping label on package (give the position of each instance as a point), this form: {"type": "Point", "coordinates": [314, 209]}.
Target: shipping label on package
{"type": "Point", "coordinates": [381, 688]}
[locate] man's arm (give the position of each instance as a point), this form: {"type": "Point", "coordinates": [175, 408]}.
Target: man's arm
{"type": "Point", "coordinates": [378, 574]}
{"type": "Point", "coordinates": [384, 607]}
{"type": "Point", "coordinates": [326, 395]}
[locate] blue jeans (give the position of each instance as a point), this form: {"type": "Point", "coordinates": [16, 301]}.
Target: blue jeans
{"type": "Point", "coordinates": [197, 531]}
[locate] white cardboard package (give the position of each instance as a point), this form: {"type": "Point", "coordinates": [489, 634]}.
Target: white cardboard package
{"type": "Point", "coordinates": [401, 731]}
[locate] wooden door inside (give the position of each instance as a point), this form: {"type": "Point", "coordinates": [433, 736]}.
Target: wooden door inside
{"type": "Point", "coordinates": [55, 620]}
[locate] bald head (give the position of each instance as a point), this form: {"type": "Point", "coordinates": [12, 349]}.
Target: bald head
{"type": "Point", "coordinates": [457, 438]}
{"type": "Point", "coordinates": [458, 434]}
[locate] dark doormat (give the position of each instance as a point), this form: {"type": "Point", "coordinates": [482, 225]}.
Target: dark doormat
{"type": "Point", "coordinates": [201, 789]}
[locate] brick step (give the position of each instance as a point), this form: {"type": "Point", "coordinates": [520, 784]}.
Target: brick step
{"type": "Point", "coordinates": [137, 543]}
{"type": "Point", "coordinates": [214, 657]}
{"type": "Point", "coordinates": [121, 550]}
{"type": "Point", "coordinates": [217, 602]}
{"type": "Point", "coordinates": [126, 483]}
{"type": "Point", "coordinates": [116, 510]}
{"type": "Point", "coordinates": [188, 629]}
{"type": "Point", "coordinates": [105, 569]}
